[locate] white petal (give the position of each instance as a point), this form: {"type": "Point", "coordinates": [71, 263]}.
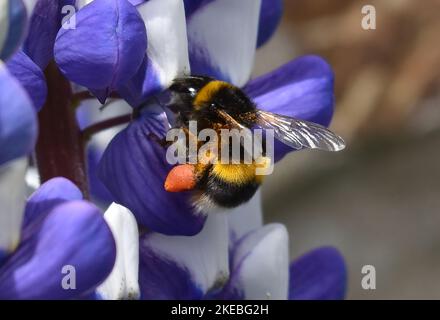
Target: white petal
{"type": "Point", "coordinates": [32, 179]}
{"type": "Point", "coordinates": [90, 112]}
{"type": "Point", "coordinates": [30, 4]}
{"type": "Point", "coordinates": [12, 199]}
{"type": "Point", "coordinates": [82, 3]}
{"type": "Point", "coordinates": [246, 217]}
{"type": "Point", "coordinates": [167, 41]}
{"type": "Point", "coordinates": [4, 21]}
{"type": "Point", "coordinates": [261, 261]}
{"type": "Point", "coordinates": [224, 32]}
{"type": "Point", "coordinates": [122, 282]}
{"type": "Point", "coordinates": [205, 255]}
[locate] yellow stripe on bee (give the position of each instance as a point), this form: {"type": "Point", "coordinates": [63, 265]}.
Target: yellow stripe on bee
{"type": "Point", "coordinates": [242, 173]}
{"type": "Point", "coordinates": [205, 94]}
{"type": "Point", "coordinates": [234, 173]}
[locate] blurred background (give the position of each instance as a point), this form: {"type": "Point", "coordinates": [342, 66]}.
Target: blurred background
{"type": "Point", "coordinates": [378, 201]}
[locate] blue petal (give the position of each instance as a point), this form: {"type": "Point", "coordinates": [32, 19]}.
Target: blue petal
{"type": "Point", "coordinates": [43, 28]}
{"type": "Point", "coordinates": [134, 168]}
{"type": "Point", "coordinates": [91, 296]}
{"type": "Point", "coordinates": [270, 17]}
{"type": "Point", "coordinates": [302, 88]}
{"type": "Point", "coordinates": [48, 196]}
{"type": "Point", "coordinates": [87, 114]}
{"type": "Point", "coordinates": [12, 26]}
{"type": "Point", "coordinates": [98, 190]}
{"type": "Point", "coordinates": [163, 279]}
{"type": "Point", "coordinates": [73, 234]}
{"type": "Point", "coordinates": [18, 122]}
{"type": "Point", "coordinates": [101, 94]}
{"type": "Point", "coordinates": [82, 3]}
{"type": "Point", "coordinates": [191, 6]}
{"type": "Point", "coordinates": [185, 267]}
{"type": "Point", "coordinates": [145, 83]}
{"type": "Point", "coordinates": [318, 275]}
{"type": "Point", "coordinates": [106, 48]}
{"type": "Point", "coordinates": [4, 254]}
{"type": "Point", "coordinates": [30, 76]}
{"type": "Point", "coordinates": [137, 2]}
{"type": "Point", "coordinates": [167, 54]}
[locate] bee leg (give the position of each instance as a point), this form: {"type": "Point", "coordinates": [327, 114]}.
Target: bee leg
{"type": "Point", "coordinates": [190, 135]}
{"type": "Point", "coordinates": [192, 145]}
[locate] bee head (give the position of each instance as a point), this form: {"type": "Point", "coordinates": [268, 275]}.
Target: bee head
{"type": "Point", "coordinates": [189, 85]}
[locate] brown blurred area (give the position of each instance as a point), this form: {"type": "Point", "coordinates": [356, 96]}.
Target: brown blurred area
{"type": "Point", "coordinates": [378, 201]}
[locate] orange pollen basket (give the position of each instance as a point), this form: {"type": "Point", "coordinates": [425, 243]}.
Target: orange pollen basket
{"type": "Point", "coordinates": [181, 178]}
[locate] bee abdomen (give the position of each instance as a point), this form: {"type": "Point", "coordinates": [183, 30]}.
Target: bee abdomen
{"type": "Point", "coordinates": [228, 194]}
{"type": "Point", "coordinates": [226, 186]}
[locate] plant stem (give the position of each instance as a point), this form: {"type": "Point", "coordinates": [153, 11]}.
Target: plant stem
{"type": "Point", "coordinates": [106, 124]}
{"type": "Point", "coordinates": [83, 95]}
{"type": "Point", "coordinates": [60, 150]}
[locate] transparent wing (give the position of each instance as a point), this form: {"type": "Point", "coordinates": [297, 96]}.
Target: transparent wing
{"type": "Point", "coordinates": [243, 134]}
{"type": "Point", "coordinates": [300, 134]}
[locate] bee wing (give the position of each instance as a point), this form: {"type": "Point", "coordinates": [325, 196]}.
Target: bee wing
{"type": "Point", "coordinates": [300, 134]}
{"type": "Point", "coordinates": [234, 123]}
{"type": "Point", "coordinates": [244, 131]}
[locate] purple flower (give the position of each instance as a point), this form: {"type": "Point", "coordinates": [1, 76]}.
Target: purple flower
{"type": "Point", "coordinates": [45, 21]}
{"type": "Point", "coordinates": [133, 167]}
{"type": "Point", "coordinates": [105, 59]}
{"type": "Point", "coordinates": [55, 227]}
{"type": "Point", "coordinates": [18, 123]}
{"type": "Point", "coordinates": [58, 229]}
{"type": "Point", "coordinates": [228, 259]}
{"type": "Point", "coordinates": [270, 16]}
{"type": "Point", "coordinates": [133, 49]}
{"type": "Point", "coordinates": [13, 25]}
{"type": "Point", "coordinates": [30, 77]}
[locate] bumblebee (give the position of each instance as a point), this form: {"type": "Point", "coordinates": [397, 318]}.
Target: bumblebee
{"type": "Point", "coordinates": [219, 105]}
